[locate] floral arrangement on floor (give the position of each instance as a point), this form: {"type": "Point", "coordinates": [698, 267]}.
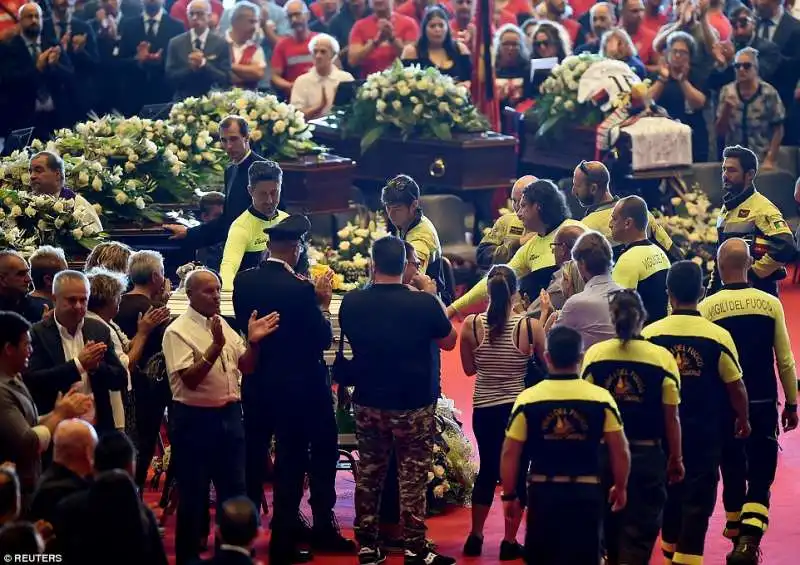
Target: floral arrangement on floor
{"type": "Point", "coordinates": [349, 260]}
{"type": "Point", "coordinates": [278, 130]}
{"type": "Point", "coordinates": [558, 104]}
{"type": "Point", "coordinates": [692, 226]}
{"type": "Point", "coordinates": [410, 101]}
{"type": "Point", "coordinates": [453, 472]}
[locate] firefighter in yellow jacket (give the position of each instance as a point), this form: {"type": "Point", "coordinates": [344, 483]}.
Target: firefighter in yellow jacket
{"type": "Point", "coordinates": [751, 216]}
{"type": "Point", "coordinates": [508, 233]}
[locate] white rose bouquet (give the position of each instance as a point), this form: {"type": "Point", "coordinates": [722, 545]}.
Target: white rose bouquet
{"type": "Point", "coordinates": [410, 101]}
{"type": "Point", "coordinates": [278, 130]}
{"type": "Point", "coordinates": [558, 104]}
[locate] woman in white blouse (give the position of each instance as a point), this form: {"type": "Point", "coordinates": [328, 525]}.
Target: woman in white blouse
{"type": "Point", "coordinates": [314, 91]}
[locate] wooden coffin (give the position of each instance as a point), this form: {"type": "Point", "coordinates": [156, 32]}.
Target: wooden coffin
{"type": "Point", "coordinates": [469, 162]}
{"type": "Point", "coordinates": [317, 184]}
{"type": "Point", "coordinates": [576, 144]}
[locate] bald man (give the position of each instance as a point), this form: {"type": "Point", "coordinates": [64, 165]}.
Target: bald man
{"type": "Point", "coordinates": [566, 281]}
{"type": "Point", "coordinates": [591, 187]}
{"type": "Point", "coordinates": [198, 60]}
{"type": "Point", "coordinates": [755, 320]}
{"type": "Point", "coordinates": [602, 18]}
{"type": "Point", "coordinates": [73, 460]}
{"type": "Point", "coordinates": [508, 233]}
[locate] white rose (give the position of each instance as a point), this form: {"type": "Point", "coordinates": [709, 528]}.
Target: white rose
{"type": "Point", "coordinates": [183, 155]}
{"type": "Point", "coordinates": [279, 127]}
{"type": "Point", "coordinates": [89, 230]}
{"type": "Point", "coordinates": [15, 211]}
{"type": "Point", "coordinates": [97, 183]}
{"type": "Point", "coordinates": [83, 179]}
{"type": "Point", "coordinates": [380, 106]}
{"type": "Point", "coordinates": [77, 233]}
{"type": "Point", "coordinates": [59, 222]}
{"type": "Point", "coordinates": [397, 105]}
{"type": "Point", "coordinates": [186, 140]}
{"type": "Point", "coordinates": [26, 179]}
{"type": "Point", "coordinates": [569, 105]}
{"type": "Point", "coordinates": [558, 100]}
{"type": "Point", "coordinates": [438, 471]}
{"type": "Point", "coordinates": [274, 116]}
{"type": "Point", "coordinates": [438, 92]}
{"type": "Point", "coordinates": [97, 208]}
{"type": "Point", "coordinates": [121, 197]}
{"type": "Point", "coordinates": [256, 135]}
{"type": "Point", "coordinates": [414, 100]}
{"type": "Point", "coordinates": [42, 225]}
{"type": "Point", "coordinates": [129, 167]}
{"type": "Point", "coordinates": [198, 159]}
{"type": "Point", "coordinates": [59, 206]}
{"type": "Point", "coordinates": [133, 157]}
{"type": "Point", "coordinates": [418, 109]}
{"type": "Point", "coordinates": [443, 107]}
{"type": "Point", "coordinates": [358, 240]}
{"type": "Point", "coordinates": [403, 90]}
{"type": "Point", "coordinates": [30, 211]}
{"type": "Point", "coordinates": [140, 203]}
{"type": "Point", "coordinates": [201, 143]}
{"type": "Point", "coordinates": [175, 170]}
{"type": "Point", "coordinates": [344, 245]}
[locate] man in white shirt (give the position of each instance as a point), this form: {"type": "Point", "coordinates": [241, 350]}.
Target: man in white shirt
{"type": "Point", "coordinates": [314, 91]}
{"type": "Point", "coordinates": [205, 360]}
{"type": "Point", "coordinates": [248, 63]}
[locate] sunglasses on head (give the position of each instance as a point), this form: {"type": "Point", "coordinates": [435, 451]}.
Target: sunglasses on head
{"type": "Point", "coordinates": [745, 66]}
{"type": "Point", "coordinates": [583, 166]}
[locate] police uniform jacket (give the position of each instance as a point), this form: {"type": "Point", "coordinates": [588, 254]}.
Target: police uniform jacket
{"type": "Point", "coordinates": [707, 360]}
{"type": "Point", "coordinates": [292, 357]}
{"type": "Point", "coordinates": [562, 420]}
{"type": "Point", "coordinates": [643, 266]}
{"type": "Point", "coordinates": [756, 321]}
{"type": "Point", "coordinates": [752, 217]}
{"type": "Point", "coordinates": [500, 243]}
{"type": "Point", "coordinates": [598, 216]}
{"type": "Point", "coordinates": [641, 376]}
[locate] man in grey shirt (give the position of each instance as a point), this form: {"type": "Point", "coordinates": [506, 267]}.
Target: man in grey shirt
{"type": "Point", "coordinates": [587, 312]}
{"type": "Point", "coordinates": [566, 281]}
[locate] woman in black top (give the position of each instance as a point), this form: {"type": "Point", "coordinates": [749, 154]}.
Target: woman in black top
{"type": "Point", "coordinates": [679, 92]}
{"type": "Point", "coordinates": [437, 48]}
{"type": "Point", "coordinates": [512, 66]}
{"type": "Point", "coordinates": [549, 39]}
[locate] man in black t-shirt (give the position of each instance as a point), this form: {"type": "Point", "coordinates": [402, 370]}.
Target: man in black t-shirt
{"type": "Point", "coordinates": [396, 389]}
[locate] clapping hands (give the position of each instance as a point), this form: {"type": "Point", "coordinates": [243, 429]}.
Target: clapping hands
{"type": "Point", "coordinates": [259, 328]}
{"type": "Point", "coordinates": [323, 288]}
{"type": "Point", "coordinates": [74, 404]}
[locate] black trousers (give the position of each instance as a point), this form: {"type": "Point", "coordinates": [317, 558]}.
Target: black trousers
{"type": "Point", "coordinates": [564, 524]}
{"type": "Point", "coordinates": [690, 504]}
{"type": "Point", "coordinates": [748, 468]}
{"type": "Point", "coordinates": [489, 425]}
{"type": "Point", "coordinates": [258, 432]}
{"type": "Point", "coordinates": [631, 533]}
{"type": "Point", "coordinates": [208, 447]}
{"type": "Point", "coordinates": [306, 442]}
{"type": "Point", "coordinates": [151, 398]}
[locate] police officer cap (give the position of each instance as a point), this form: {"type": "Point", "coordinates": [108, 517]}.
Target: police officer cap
{"type": "Point", "coordinates": [292, 228]}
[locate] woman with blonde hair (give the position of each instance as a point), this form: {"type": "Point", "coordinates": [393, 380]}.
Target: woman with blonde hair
{"type": "Point", "coordinates": [617, 44]}
{"type": "Point", "coordinates": [110, 255]}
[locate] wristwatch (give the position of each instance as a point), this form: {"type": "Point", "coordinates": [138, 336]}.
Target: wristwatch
{"type": "Point", "coordinates": [508, 497]}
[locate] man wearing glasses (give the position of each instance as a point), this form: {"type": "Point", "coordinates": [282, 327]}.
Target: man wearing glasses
{"type": "Point", "coordinates": [744, 35]}
{"type": "Point", "coordinates": [508, 232]}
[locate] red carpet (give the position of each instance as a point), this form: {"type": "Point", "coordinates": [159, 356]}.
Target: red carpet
{"type": "Point", "coordinates": [780, 545]}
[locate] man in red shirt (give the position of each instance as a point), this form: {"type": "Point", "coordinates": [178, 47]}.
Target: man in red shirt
{"type": "Point", "coordinates": [416, 8]}
{"type": "Point", "coordinates": [8, 17]}
{"type": "Point", "coordinates": [631, 18]}
{"type": "Point", "coordinates": [292, 56]}
{"type": "Point", "coordinates": [377, 40]}
{"type": "Point", "coordinates": [654, 15]}
{"type": "Point", "coordinates": [555, 12]}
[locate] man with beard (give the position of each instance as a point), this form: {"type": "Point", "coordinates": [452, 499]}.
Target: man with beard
{"type": "Point", "coordinates": [744, 35]}
{"type": "Point", "coordinates": [292, 56]}
{"type": "Point", "coordinates": [38, 76]}
{"type": "Point", "coordinates": [749, 215]}
{"type": "Point", "coordinates": [15, 282]}
{"type": "Point", "coordinates": [632, 13]}
{"type": "Point", "coordinates": [591, 187]}
{"type": "Point", "coordinates": [603, 19]}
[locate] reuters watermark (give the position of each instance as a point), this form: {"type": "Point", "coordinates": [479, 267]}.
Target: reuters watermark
{"type": "Point", "coordinates": [32, 558]}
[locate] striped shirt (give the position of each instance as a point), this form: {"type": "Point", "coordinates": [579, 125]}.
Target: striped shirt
{"type": "Point", "coordinates": [500, 365]}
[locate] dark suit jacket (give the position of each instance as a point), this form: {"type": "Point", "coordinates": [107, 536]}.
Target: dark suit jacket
{"type": "Point", "coordinates": [787, 38]}
{"type": "Point", "coordinates": [22, 81]}
{"type": "Point", "coordinates": [145, 83]}
{"type": "Point", "coordinates": [237, 200]}
{"type": "Point", "coordinates": [56, 484]}
{"type": "Point", "coordinates": [290, 358]}
{"type": "Point", "coordinates": [85, 60]}
{"type": "Point", "coordinates": [769, 59]}
{"type": "Point", "coordinates": [48, 372]}
{"type": "Point", "coordinates": [227, 557]}
{"type": "Point", "coordinates": [215, 73]}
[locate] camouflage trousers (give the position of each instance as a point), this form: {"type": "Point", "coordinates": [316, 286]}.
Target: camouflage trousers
{"type": "Point", "coordinates": [411, 432]}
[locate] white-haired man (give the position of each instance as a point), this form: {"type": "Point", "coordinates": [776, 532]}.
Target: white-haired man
{"type": "Point", "coordinates": [69, 349]}
{"type": "Point", "coordinates": [248, 62]}
{"type": "Point", "coordinates": [199, 59]}
{"type": "Point", "coordinates": [314, 91]}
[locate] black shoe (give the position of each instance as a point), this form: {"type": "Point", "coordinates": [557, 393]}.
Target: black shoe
{"type": "Point", "coordinates": [302, 531]}
{"type": "Point", "coordinates": [746, 552]}
{"type": "Point", "coordinates": [510, 551]}
{"type": "Point", "coordinates": [427, 557]}
{"type": "Point", "coordinates": [331, 541]}
{"type": "Point", "coordinates": [371, 556]}
{"type": "Point", "coordinates": [391, 545]}
{"type": "Point", "coordinates": [473, 546]}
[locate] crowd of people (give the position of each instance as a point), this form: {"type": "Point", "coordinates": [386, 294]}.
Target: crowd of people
{"type": "Point", "coordinates": [728, 69]}
{"type": "Point", "coordinates": [611, 384]}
